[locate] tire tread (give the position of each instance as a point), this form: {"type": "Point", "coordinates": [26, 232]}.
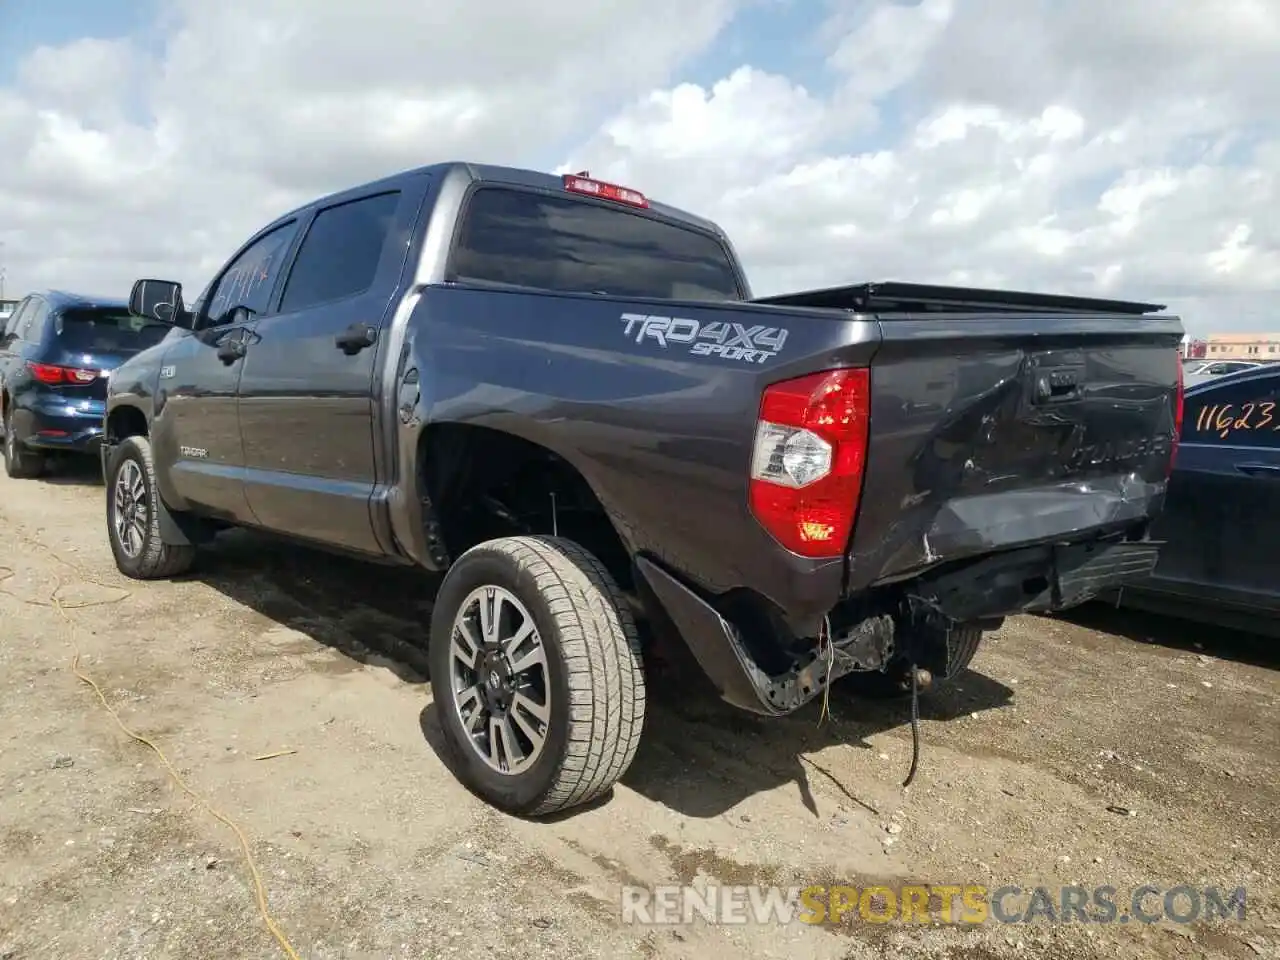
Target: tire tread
{"type": "Point", "coordinates": [29, 465]}
{"type": "Point", "coordinates": [603, 664]}
{"type": "Point", "coordinates": [159, 560]}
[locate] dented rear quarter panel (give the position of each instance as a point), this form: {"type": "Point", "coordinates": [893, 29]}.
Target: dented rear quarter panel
{"type": "Point", "coordinates": [956, 468]}
{"type": "Point", "coordinates": [662, 433]}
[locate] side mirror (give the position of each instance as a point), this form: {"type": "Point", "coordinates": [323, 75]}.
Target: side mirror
{"type": "Point", "coordinates": [157, 300]}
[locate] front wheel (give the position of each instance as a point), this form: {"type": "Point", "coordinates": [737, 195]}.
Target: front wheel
{"type": "Point", "coordinates": [536, 674]}
{"type": "Point", "coordinates": [133, 516]}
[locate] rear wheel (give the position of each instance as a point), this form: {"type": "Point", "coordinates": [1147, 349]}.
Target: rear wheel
{"type": "Point", "coordinates": [19, 462]}
{"type": "Point", "coordinates": [536, 674]}
{"type": "Point", "coordinates": [133, 518]}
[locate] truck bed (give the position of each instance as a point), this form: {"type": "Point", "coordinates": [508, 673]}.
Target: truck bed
{"type": "Point", "coordinates": [962, 461]}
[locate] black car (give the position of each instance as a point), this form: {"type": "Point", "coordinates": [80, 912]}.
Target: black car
{"type": "Point", "coordinates": [1221, 521]}
{"type": "Point", "coordinates": [56, 353]}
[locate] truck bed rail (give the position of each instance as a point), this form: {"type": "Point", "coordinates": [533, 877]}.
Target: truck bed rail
{"type": "Point", "coordinates": [894, 297]}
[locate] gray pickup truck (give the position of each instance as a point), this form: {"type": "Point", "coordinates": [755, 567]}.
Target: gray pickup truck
{"type": "Point", "coordinates": [563, 397]}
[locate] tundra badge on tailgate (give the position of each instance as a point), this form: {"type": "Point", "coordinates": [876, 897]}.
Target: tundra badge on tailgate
{"type": "Point", "coordinates": [732, 341]}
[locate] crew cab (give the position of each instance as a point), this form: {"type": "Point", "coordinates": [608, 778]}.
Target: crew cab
{"type": "Point", "coordinates": [564, 397]}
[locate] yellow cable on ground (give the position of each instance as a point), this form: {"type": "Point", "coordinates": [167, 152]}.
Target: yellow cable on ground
{"type": "Point", "coordinates": [56, 603]}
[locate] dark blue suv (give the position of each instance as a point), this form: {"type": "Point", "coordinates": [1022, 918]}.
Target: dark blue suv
{"type": "Point", "coordinates": [56, 352]}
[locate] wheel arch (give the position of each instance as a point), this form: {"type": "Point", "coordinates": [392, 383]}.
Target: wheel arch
{"type": "Point", "coordinates": [124, 421]}
{"type": "Point", "coordinates": [463, 468]}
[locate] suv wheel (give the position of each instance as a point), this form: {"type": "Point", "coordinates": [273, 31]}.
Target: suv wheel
{"type": "Point", "coordinates": [19, 462]}
{"type": "Point", "coordinates": [133, 523]}
{"type": "Point", "coordinates": [536, 674]}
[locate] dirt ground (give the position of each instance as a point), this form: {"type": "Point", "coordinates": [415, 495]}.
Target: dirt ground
{"type": "Point", "coordinates": [368, 847]}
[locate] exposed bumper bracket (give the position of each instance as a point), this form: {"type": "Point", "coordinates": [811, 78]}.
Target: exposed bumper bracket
{"type": "Point", "coordinates": [719, 650]}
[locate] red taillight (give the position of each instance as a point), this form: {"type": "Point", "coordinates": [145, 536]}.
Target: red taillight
{"type": "Point", "coordinates": [809, 456]}
{"type": "Point", "coordinates": [1177, 419]}
{"type": "Point", "coordinates": [51, 373]}
{"type": "Point", "coordinates": [581, 183]}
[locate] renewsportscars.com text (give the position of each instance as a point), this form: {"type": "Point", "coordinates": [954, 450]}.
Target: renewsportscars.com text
{"type": "Point", "coordinates": [938, 903]}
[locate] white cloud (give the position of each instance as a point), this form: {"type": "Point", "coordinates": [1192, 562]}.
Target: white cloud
{"type": "Point", "coordinates": [1127, 148]}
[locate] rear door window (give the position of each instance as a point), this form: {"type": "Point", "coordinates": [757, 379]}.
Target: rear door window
{"type": "Point", "coordinates": [14, 321]}
{"type": "Point", "coordinates": [340, 253]}
{"type": "Point", "coordinates": [31, 326]}
{"type": "Point", "coordinates": [106, 330]}
{"type": "Point", "coordinates": [562, 243]}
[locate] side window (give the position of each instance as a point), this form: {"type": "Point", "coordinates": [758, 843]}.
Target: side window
{"type": "Point", "coordinates": [14, 321]}
{"type": "Point", "coordinates": [340, 253]}
{"type": "Point", "coordinates": [247, 282]}
{"type": "Point", "coordinates": [1245, 413]}
{"type": "Point", "coordinates": [31, 328]}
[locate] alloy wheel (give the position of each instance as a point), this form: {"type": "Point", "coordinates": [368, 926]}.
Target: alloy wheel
{"type": "Point", "coordinates": [130, 508]}
{"type": "Point", "coordinates": [499, 678]}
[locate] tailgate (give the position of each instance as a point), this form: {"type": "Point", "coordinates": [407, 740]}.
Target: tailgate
{"type": "Point", "coordinates": [995, 430]}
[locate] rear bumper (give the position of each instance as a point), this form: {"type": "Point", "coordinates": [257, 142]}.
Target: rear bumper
{"type": "Point", "coordinates": [1043, 578]}
{"type": "Point", "coordinates": [52, 425]}
{"type": "Point", "coordinates": [1083, 572]}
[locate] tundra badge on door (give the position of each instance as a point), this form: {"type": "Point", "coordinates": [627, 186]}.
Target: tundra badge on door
{"type": "Point", "coordinates": [733, 341]}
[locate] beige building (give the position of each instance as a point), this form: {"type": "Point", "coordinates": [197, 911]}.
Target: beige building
{"type": "Point", "coordinates": [1241, 346]}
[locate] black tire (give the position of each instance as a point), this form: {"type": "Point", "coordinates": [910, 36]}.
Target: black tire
{"type": "Point", "coordinates": [152, 558]}
{"type": "Point", "coordinates": [593, 675]}
{"type": "Point", "coordinates": [19, 462]}
{"type": "Point", "coordinates": [895, 684]}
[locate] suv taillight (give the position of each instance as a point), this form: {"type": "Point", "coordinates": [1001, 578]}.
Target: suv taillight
{"type": "Point", "coordinates": [809, 456]}
{"type": "Point", "coordinates": [1177, 419]}
{"type": "Point", "coordinates": [51, 373]}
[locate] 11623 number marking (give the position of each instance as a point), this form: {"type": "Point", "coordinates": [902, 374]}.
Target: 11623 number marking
{"type": "Point", "coordinates": [1223, 419]}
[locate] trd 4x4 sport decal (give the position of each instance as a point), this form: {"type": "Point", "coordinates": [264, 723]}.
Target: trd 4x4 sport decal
{"type": "Point", "coordinates": [733, 341]}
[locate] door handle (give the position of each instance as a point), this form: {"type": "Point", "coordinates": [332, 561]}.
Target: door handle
{"type": "Point", "coordinates": [1259, 469]}
{"type": "Point", "coordinates": [230, 350]}
{"type": "Point", "coordinates": [355, 338]}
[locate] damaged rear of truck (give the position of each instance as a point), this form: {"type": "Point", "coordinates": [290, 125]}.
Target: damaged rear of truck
{"type": "Point", "coordinates": [852, 483]}
{"type": "Point", "coordinates": [987, 452]}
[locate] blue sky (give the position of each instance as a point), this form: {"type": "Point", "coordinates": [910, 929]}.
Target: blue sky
{"type": "Point", "coordinates": [752, 38]}
{"type": "Point", "coordinates": [33, 23]}
{"type": "Point", "coordinates": [776, 35]}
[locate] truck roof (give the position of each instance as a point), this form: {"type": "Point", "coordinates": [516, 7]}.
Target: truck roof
{"type": "Point", "coordinates": [65, 299]}
{"type": "Point", "coordinates": [492, 173]}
